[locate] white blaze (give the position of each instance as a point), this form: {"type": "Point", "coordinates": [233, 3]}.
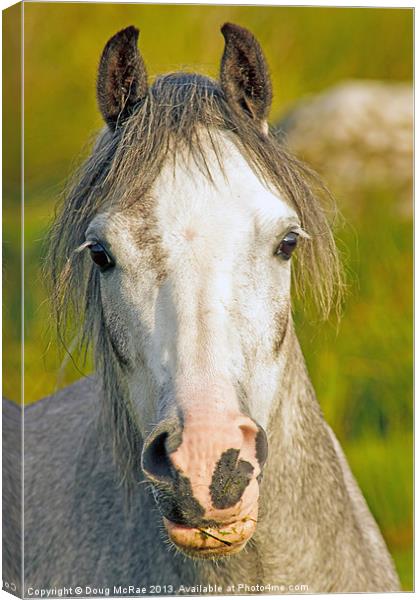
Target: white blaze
{"type": "Point", "coordinates": [212, 234]}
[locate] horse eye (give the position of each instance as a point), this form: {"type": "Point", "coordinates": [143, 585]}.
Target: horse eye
{"type": "Point", "coordinates": [287, 245]}
{"type": "Point", "coordinates": [100, 256]}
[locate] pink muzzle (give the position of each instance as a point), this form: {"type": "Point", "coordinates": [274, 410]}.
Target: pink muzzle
{"type": "Point", "coordinates": [206, 474]}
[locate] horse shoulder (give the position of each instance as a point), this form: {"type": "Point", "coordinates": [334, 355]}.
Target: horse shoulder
{"type": "Point", "coordinates": [12, 493]}
{"type": "Point", "coordinates": [56, 429]}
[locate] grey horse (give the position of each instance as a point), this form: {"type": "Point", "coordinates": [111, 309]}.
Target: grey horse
{"type": "Point", "coordinates": [196, 460]}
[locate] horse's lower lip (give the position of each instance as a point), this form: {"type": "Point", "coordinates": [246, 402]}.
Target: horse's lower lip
{"type": "Point", "coordinates": [209, 541]}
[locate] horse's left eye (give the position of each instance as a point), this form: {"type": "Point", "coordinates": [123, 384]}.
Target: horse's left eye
{"type": "Point", "coordinates": [287, 245]}
{"type": "Point", "coordinates": [100, 256]}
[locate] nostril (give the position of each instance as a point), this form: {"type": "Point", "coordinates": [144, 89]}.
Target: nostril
{"type": "Point", "coordinates": [254, 439]}
{"type": "Point", "coordinates": [261, 447]}
{"type": "Point", "coordinates": [155, 459]}
{"type": "Point", "coordinates": [249, 432]}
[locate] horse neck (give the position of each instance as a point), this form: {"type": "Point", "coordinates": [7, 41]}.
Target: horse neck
{"type": "Point", "coordinates": [296, 412]}
{"type": "Point", "coordinates": [302, 473]}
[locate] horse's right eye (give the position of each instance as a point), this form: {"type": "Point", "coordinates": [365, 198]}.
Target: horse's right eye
{"type": "Point", "coordinates": [100, 256]}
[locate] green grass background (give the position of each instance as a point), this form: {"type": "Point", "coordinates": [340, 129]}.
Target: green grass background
{"type": "Point", "coordinates": [363, 371]}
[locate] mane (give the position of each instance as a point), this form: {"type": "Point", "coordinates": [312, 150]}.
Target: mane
{"type": "Point", "coordinates": [180, 111]}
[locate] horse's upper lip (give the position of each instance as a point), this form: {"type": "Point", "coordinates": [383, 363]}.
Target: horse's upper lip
{"type": "Point", "coordinates": [228, 538]}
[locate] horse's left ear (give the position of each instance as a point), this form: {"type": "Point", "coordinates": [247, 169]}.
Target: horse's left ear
{"type": "Point", "coordinates": [122, 77]}
{"type": "Point", "coordinates": [244, 74]}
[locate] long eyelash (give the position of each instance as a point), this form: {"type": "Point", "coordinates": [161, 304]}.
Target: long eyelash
{"type": "Point", "coordinates": [84, 245]}
{"type": "Point", "coordinates": [301, 233]}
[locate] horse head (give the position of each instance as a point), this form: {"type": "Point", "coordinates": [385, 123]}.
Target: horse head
{"type": "Point", "coordinates": [191, 212]}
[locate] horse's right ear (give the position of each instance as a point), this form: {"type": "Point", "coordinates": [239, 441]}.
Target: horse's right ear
{"type": "Point", "coordinates": [122, 77]}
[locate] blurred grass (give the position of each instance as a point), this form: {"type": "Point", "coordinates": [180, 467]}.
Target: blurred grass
{"type": "Point", "coordinates": [383, 467]}
{"type": "Point", "coordinates": [363, 371]}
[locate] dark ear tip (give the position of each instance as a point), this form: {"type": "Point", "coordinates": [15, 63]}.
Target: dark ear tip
{"type": "Point", "coordinates": [130, 31]}
{"type": "Point", "coordinates": [226, 28]}
{"type": "Point", "coordinates": [230, 29]}
{"type": "Point", "coordinates": [128, 34]}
